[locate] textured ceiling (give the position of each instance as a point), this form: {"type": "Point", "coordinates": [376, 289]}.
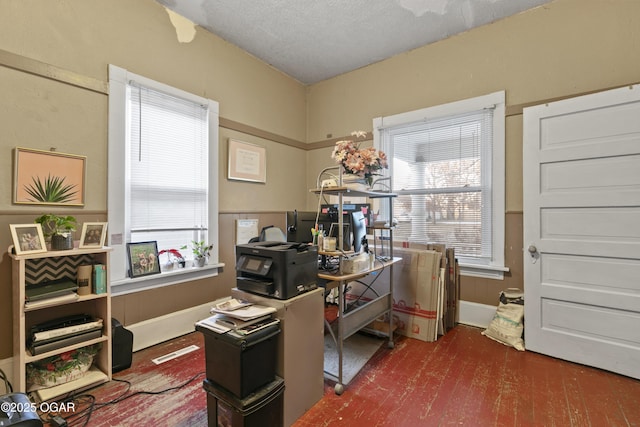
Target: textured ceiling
{"type": "Point", "coordinates": [313, 40]}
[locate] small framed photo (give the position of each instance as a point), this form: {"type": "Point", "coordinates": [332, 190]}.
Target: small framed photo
{"type": "Point", "coordinates": [143, 258]}
{"type": "Point", "coordinates": [93, 235]}
{"type": "Point", "coordinates": [28, 238]}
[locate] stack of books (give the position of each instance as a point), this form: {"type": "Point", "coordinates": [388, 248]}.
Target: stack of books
{"type": "Point", "coordinates": [63, 332]}
{"type": "Point", "coordinates": [50, 292]}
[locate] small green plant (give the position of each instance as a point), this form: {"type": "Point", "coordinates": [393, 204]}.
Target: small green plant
{"type": "Point", "coordinates": [56, 225]}
{"type": "Point", "coordinates": [200, 249]}
{"type": "Point", "coordinates": [51, 190]}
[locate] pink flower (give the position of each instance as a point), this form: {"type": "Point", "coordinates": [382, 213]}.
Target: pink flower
{"type": "Point", "coordinates": [362, 162]}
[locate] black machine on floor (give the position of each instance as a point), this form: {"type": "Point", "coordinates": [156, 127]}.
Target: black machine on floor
{"type": "Point", "coordinates": [280, 270]}
{"type": "Point", "coordinates": [121, 347]}
{"type": "Point", "coordinates": [16, 411]}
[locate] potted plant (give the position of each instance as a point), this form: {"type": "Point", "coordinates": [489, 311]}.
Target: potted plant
{"type": "Point", "coordinates": [201, 251]}
{"type": "Point", "coordinates": [173, 256]}
{"type": "Point", "coordinates": [58, 229]}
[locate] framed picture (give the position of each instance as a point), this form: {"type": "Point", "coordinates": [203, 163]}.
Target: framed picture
{"type": "Point", "coordinates": [93, 235]}
{"type": "Point", "coordinates": [247, 162]}
{"type": "Point", "coordinates": [28, 238]}
{"type": "Point", "coordinates": [48, 178]}
{"type": "Point", "coordinates": [143, 258]}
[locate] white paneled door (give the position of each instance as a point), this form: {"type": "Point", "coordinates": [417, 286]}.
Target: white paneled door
{"type": "Point", "coordinates": [581, 169]}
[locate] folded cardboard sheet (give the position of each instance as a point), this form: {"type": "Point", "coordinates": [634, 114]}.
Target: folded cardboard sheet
{"type": "Point", "coordinates": [424, 290]}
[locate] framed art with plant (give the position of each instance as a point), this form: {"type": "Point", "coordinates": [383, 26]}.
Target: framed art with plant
{"type": "Point", "coordinates": [143, 258]}
{"type": "Point", "coordinates": [48, 178]}
{"type": "Point", "coordinates": [93, 235]}
{"type": "Point", "coordinates": [27, 238]}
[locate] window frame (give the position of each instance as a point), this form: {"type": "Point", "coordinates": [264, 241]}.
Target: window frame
{"type": "Point", "coordinates": [118, 158]}
{"type": "Point", "coordinates": [493, 268]}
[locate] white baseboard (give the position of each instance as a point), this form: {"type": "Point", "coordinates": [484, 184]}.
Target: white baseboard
{"type": "Point", "coordinates": [474, 314]}
{"type": "Point", "coordinates": [7, 367]}
{"type": "Point", "coordinates": [159, 329]}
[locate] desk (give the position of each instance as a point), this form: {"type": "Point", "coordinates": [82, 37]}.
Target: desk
{"type": "Point", "coordinates": [354, 320]}
{"type": "Point", "coordinates": [300, 348]}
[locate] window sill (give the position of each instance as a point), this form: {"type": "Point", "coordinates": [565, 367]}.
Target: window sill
{"type": "Point", "coordinates": [181, 275]}
{"type": "Point", "coordinates": [484, 271]}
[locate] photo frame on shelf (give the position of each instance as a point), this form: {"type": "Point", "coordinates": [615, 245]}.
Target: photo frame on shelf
{"type": "Point", "coordinates": [143, 259]}
{"type": "Point", "coordinates": [247, 162]}
{"type": "Point", "coordinates": [93, 235]}
{"type": "Point", "coordinates": [48, 178]}
{"type": "Point", "coordinates": [28, 238]}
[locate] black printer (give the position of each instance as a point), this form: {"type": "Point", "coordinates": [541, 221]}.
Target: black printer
{"type": "Point", "coordinates": [279, 270]}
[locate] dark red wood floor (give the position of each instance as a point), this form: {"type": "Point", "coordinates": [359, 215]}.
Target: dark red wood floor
{"type": "Point", "coordinates": [467, 379]}
{"type": "Point", "coordinates": [462, 379]}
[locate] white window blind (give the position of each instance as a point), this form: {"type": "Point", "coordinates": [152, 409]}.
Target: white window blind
{"type": "Point", "coordinates": [447, 167]}
{"type": "Point", "coordinates": [163, 180]}
{"type": "Point", "coordinates": [437, 168]}
{"type": "Point", "coordinates": [168, 168]}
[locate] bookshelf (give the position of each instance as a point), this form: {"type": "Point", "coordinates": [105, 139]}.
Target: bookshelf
{"type": "Point", "coordinates": [30, 269]}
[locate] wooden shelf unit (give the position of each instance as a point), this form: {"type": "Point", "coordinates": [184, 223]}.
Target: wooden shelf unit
{"type": "Point", "coordinates": [30, 269]}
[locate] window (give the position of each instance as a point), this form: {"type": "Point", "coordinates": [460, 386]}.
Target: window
{"type": "Point", "coordinates": [163, 148]}
{"type": "Point", "coordinates": [447, 167]}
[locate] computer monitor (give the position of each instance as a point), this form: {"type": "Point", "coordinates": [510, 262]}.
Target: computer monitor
{"type": "Point", "coordinates": [300, 223]}
{"type": "Point", "coordinates": [347, 208]}
{"type": "Point", "coordinates": [334, 231]}
{"type": "Point", "coordinates": [358, 229]}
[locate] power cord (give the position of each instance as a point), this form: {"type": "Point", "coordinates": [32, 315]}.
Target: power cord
{"type": "Point", "coordinates": [82, 417]}
{"type": "Point", "coordinates": [368, 287]}
{"type": "Point", "coordinates": [7, 385]}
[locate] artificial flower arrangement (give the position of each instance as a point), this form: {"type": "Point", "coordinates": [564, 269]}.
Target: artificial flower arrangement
{"type": "Point", "coordinates": [61, 368]}
{"type": "Point", "coordinates": [363, 162]}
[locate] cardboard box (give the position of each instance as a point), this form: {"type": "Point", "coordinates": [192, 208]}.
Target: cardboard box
{"type": "Point", "coordinates": [415, 293]}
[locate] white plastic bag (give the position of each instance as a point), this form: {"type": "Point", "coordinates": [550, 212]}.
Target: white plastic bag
{"type": "Point", "coordinates": [507, 324]}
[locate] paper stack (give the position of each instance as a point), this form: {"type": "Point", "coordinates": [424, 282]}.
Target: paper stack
{"type": "Point", "coordinates": [238, 317]}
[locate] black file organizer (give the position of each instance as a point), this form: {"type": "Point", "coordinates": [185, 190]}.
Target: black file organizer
{"type": "Point", "coordinates": [240, 364]}
{"type": "Point", "coordinates": [262, 408]}
{"type": "Point", "coordinates": [241, 385]}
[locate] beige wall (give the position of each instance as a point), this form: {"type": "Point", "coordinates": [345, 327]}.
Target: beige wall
{"type": "Point", "coordinates": [83, 37]}
{"type": "Point", "coordinates": [565, 48]}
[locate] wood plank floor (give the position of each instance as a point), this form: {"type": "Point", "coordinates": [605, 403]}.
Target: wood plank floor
{"type": "Point", "coordinates": [462, 379]}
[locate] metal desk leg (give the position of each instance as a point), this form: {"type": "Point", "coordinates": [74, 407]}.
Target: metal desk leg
{"type": "Point", "coordinates": [339, 387]}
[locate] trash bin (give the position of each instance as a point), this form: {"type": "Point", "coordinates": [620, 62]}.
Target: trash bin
{"type": "Point", "coordinates": [262, 408]}
{"type": "Point", "coordinates": [240, 363]}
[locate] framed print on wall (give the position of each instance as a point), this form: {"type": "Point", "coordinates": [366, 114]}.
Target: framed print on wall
{"type": "Point", "coordinates": [93, 235]}
{"type": "Point", "coordinates": [48, 178]}
{"type": "Point", "coordinates": [143, 258]}
{"type": "Point", "coordinates": [247, 162]}
{"type": "Point", "coordinates": [27, 238]}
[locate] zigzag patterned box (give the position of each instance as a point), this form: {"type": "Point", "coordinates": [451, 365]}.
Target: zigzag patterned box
{"type": "Point", "coordinates": [43, 269]}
